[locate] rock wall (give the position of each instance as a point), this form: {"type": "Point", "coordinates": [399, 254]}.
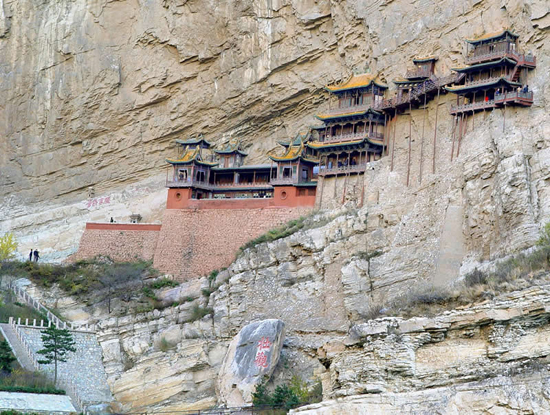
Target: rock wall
{"type": "Point", "coordinates": [80, 110]}
{"type": "Point", "coordinates": [124, 242]}
{"type": "Point", "coordinates": [195, 242]}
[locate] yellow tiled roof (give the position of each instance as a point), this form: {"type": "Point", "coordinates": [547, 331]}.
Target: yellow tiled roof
{"type": "Point", "coordinates": [189, 155]}
{"type": "Point", "coordinates": [292, 152]}
{"type": "Point", "coordinates": [491, 35]}
{"type": "Point", "coordinates": [425, 58]}
{"type": "Point", "coordinates": [357, 81]}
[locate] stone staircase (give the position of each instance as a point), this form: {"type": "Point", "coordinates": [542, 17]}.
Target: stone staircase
{"type": "Point", "coordinates": [82, 376]}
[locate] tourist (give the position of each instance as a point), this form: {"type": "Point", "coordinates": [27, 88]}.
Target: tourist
{"type": "Point", "coordinates": [486, 98]}
{"type": "Point", "coordinates": [112, 220]}
{"type": "Point", "coordinates": [36, 256]}
{"type": "Point", "coordinates": [30, 256]}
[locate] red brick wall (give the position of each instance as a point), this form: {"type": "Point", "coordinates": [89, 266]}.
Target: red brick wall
{"type": "Point", "coordinates": [120, 241]}
{"type": "Point", "coordinates": [195, 242]}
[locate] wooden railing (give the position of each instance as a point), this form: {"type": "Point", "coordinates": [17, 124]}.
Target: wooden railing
{"type": "Point", "coordinates": [473, 106]}
{"type": "Point", "coordinates": [323, 170]}
{"type": "Point", "coordinates": [514, 95]}
{"type": "Point", "coordinates": [352, 136]}
{"type": "Point", "coordinates": [419, 73]}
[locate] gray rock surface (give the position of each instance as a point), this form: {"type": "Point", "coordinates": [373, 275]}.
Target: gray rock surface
{"type": "Point", "coordinates": [250, 360]}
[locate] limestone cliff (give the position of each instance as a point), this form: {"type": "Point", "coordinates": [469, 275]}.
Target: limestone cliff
{"type": "Point", "coordinates": [94, 92]}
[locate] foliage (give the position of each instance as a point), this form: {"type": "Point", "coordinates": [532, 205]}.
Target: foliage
{"type": "Point", "coordinates": [198, 313]}
{"type": "Point", "coordinates": [303, 223]}
{"type": "Point", "coordinates": [148, 292]}
{"type": "Point", "coordinates": [57, 344]}
{"type": "Point", "coordinates": [213, 275]}
{"type": "Point", "coordinates": [164, 346]}
{"type": "Point", "coordinates": [21, 380]}
{"type": "Point", "coordinates": [6, 356]}
{"type": "Point", "coordinates": [287, 396]}
{"type": "Point", "coordinates": [162, 283]}
{"type": "Point", "coordinates": [8, 246]}
{"type": "Point", "coordinates": [91, 281]}
{"type": "Point", "coordinates": [10, 308]}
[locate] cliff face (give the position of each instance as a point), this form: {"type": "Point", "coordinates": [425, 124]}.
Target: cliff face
{"type": "Point", "coordinates": [94, 92]}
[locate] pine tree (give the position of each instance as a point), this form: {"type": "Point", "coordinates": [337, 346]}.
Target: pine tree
{"type": "Point", "coordinates": [57, 344]}
{"type": "Point", "coordinates": [6, 356]}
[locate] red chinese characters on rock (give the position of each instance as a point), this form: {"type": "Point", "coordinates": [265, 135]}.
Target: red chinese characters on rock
{"type": "Point", "coordinates": [264, 346]}
{"type": "Point", "coordinates": [98, 201]}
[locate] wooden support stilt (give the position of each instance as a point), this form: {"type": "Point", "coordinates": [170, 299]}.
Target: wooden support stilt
{"type": "Point", "coordinates": [410, 145]}
{"type": "Point", "coordinates": [422, 141]}
{"type": "Point", "coordinates": [504, 115]}
{"type": "Point", "coordinates": [435, 132]}
{"type": "Point", "coordinates": [455, 121]}
{"type": "Point", "coordinates": [385, 148]}
{"type": "Point", "coordinates": [345, 187]}
{"type": "Point", "coordinates": [393, 139]}
{"type": "Point", "coordinates": [462, 132]}
{"type": "Point", "coordinates": [322, 179]}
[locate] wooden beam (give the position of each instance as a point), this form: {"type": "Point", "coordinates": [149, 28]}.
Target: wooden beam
{"type": "Point", "coordinates": [435, 131]}
{"type": "Point", "coordinates": [410, 145]}
{"type": "Point", "coordinates": [422, 141]}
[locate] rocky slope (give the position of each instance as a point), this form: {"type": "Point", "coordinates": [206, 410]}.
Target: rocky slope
{"type": "Point", "coordinates": [162, 359]}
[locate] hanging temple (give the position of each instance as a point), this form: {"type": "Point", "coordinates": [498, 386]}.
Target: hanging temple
{"type": "Point", "coordinates": [356, 129]}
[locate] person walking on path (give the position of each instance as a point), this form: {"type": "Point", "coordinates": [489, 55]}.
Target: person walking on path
{"type": "Point", "coordinates": [36, 256]}
{"type": "Point", "coordinates": [30, 256]}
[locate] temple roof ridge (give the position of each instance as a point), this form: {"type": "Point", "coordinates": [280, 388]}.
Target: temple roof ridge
{"type": "Point", "coordinates": [491, 35]}
{"type": "Point", "coordinates": [357, 81]}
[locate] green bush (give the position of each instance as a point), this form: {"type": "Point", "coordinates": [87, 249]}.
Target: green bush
{"type": "Point", "coordinates": [162, 283]}
{"type": "Point", "coordinates": [287, 396]}
{"type": "Point", "coordinates": [21, 380]}
{"type": "Point", "coordinates": [198, 313]}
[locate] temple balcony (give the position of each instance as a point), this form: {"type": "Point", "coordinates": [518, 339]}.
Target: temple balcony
{"type": "Point", "coordinates": [499, 52]}
{"type": "Point", "coordinates": [357, 168]}
{"type": "Point", "coordinates": [217, 186]}
{"type": "Point", "coordinates": [476, 106]}
{"type": "Point", "coordinates": [509, 98]}
{"type": "Point", "coordinates": [288, 181]}
{"type": "Point", "coordinates": [419, 73]}
{"type": "Point", "coordinates": [353, 136]}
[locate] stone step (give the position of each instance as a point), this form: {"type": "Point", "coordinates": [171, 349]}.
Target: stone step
{"type": "Point", "coordinates": [17, 348]}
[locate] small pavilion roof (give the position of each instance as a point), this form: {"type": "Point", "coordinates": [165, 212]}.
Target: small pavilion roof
{"type": "Point", "coordinates": [503, 61]}
{"type": "Point", "coordinates": [190, 156]}
{"type": "Point", "coordinates": [357, 81]}
{"type": "Point", "coordinates": [293, 152]}
{"type": "Point", "coordinates": [194, 140]}
{"type": "Point", "coordinates": [400, 81]}
{"type": "Point", "coordinates": [467, 88]}
{"type": "Point", "coordinates": [352, 113]}
{"type": "Point", "coordinates": [425, 59]}
{"type": "Point", "coordinates": [491, 36]}
{"type": "Point", "coordinates": [234, 146]}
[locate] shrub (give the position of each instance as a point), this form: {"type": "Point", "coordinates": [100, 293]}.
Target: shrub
{"type": "Point", "coordinates": [164, 346]}
{"type": "Point", "coordinates": [8, 246]}
{"type": "Point", "coordinates": [198, 313]}
{"type": "Point", "coordinates": [162, 283]}
{"type": "Point", "coordinates": [213, 275]}
{"type": "Point", "coordinates": [476, 277]}
{"type": "Point", "coordinates": [21, 380]}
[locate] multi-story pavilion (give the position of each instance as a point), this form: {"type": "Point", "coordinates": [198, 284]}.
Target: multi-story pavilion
{"type": "Point", "coordinates": [353, 131]}
{"type": "Point", "coordinates": [496, 75]}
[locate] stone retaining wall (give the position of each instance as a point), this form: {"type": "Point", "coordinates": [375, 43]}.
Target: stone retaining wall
{"type": "Point", "coordinates": [195, 242]}
{"type": "Point", "coordinates": [84, 368]}
{"type": "Point", "coordinates": [121, 242]}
